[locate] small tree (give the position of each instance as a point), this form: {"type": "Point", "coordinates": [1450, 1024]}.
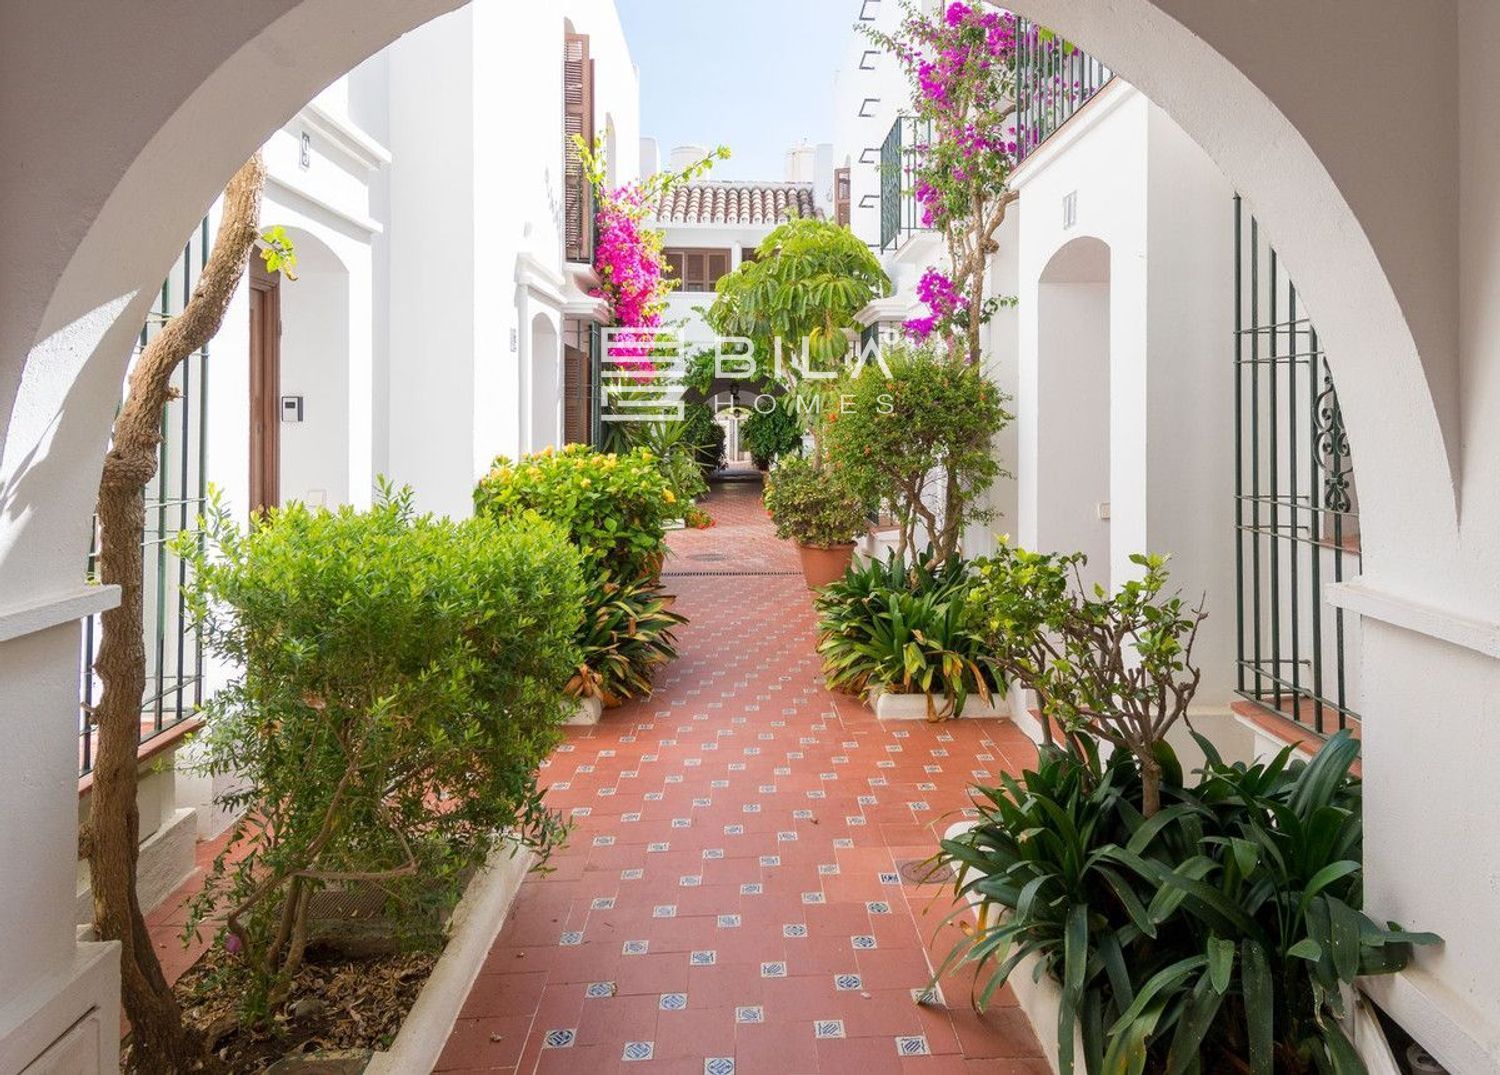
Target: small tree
{"type": "Point", "coordinates": [1119, 666]}
{"type": "Point", "coordinates": [402, 679]}
{"type": "Point", "coordinates": [808, 280]}
{"type": "Point", "coordinates": [920, 439]}
{"type": "Point", "coordinates": [111, 837]}
{"type": "Point", "coordinates": [960, 62]}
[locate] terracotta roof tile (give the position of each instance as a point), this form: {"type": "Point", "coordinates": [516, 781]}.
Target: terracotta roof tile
{"type": "Point", "coordinates": [729, 202]}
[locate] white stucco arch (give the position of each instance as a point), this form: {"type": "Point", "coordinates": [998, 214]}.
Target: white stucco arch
{"type": "Point", "coordinates": [122, 122]}
{"type": "Point", "coordinates": [1178, 53]}
{"type": "Point", "coordinates": [1066, 423]}
{"type": "Point", "coordinates": [544, 376]}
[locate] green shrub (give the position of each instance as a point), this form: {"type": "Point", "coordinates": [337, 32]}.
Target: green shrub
{"type": "Point", "coordinates": [905, 630]}
{"type": "Point", "coordinates": [400, 680]}
{"type": "Point", "coordinates": [612, 506]}
{"type": "Point", "coordinates": [814, 505]}
{"type": "Point", "coordinates": [1114, 663]}
{"type": "Point", "coordinates": [705, 436]}
{"type": "Point", "coordinates": [920, 436]}
{"type": "Point", "coordinates": [1220, 935]}
{"type": "Point", "coordinates": [627, 632]}
{"type": "Point", "coordinates": [769, 435]}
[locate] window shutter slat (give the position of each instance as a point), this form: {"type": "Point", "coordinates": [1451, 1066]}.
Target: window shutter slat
{"type": "Point", "coordinates": [578, 119]}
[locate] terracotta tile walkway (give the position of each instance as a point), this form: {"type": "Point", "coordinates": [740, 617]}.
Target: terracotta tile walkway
{"type": "Point", "coordinates": [732, 897]}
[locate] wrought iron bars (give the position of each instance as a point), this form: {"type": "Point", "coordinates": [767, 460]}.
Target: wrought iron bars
{"type": "Point", "coordinates": [1054, 79]}
{"type": "Point", "coordinates": [174, 500]}
{"type": "Point", "coordinates": [1296, 506]}
{"type": "Point", "coordinates": [900, 215]}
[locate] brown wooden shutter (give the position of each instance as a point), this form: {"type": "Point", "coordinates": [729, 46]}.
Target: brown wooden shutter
{"type": "Point", "coordinates": [578, 118]}
{"type": "Point", "coordinates": [576, 395]}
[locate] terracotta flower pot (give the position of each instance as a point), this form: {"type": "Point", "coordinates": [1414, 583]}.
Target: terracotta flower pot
{"type": "Point", "coordinates": [822, 566]}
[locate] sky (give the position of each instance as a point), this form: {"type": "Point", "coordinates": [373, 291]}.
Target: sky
{"type": "Point", "coordinates": [755, 75]}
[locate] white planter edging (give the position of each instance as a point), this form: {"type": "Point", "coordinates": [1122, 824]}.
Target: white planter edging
{"type": "Point", "coordinates": [914, 706]}
{"type": "Point", "coordinates": [589, 711]}
{"type": "Point", "coordinates": [1037, 992]}
{"type": "Point", "coordinates": [472, 930]}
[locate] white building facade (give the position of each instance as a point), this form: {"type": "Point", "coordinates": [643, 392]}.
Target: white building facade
{"type": "Point", "coordinates": [438, 316]}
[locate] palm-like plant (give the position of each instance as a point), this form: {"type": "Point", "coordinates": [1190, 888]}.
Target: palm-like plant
{"type": "Point", "coordinates": [627, 632]}
{"type": "Point", "coordinates": [810, 277]}
{"type": "Point", "coordinates": [1221, 934]}
{"type": "Point", "coordinates": [906, 629]}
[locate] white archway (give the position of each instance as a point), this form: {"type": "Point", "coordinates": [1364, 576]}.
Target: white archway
{"type": "Point", "coordinates": [122, 123]}
{"type": "Point", "coordinates": [1069, 509]}
{"type": "Point", "coordinates": [544, 387]}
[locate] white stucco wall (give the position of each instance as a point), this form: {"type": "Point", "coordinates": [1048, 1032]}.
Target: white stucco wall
{"type": "Point", "coordinates": [1144, 190]}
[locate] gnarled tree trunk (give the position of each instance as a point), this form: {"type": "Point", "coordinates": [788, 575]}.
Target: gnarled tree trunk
{"type": "Point", "coordinates": [161, 1043]}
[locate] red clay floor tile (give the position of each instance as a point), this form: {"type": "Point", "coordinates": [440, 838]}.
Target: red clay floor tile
{"type": "Point", "coordinates": [732, 889]}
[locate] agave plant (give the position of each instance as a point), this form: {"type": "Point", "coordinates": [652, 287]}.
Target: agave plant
{"type": "Point", "coordinates": [627, 631]}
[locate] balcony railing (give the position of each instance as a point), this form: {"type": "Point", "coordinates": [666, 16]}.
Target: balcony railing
{"type": "Point", "coordinates": [900, 215]}
{"type": "Point", "coordinates": [1054, 79]}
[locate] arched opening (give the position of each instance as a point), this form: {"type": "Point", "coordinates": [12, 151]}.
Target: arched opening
{"type": "Point", "coordinates": [545, 385]}
{"type": "Point", "coordinates": [1072, 406]}
{"type": "Point", "coordinates": [140, 181]}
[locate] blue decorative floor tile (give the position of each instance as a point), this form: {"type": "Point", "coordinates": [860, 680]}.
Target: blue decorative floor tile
{"type": "Point", "coordinates": [750, 1014]}
{"type": "Point", "coordinates": [638, 1050]}
{"type": "Point", "coordinates": [673, 1002]}
{"type": "Point", "coordinates": [828, 1028]}
{"type": "Point", "coordinates": [718, 1065]}
{"type": "Point", "coordinates": [912, 1045]}
{"type": "Point", "coordinates": [595, 990]}
{"type": "Point", "coordinates": [847, 982]}
{"type": "Point", "coordinates": [559, 1039]}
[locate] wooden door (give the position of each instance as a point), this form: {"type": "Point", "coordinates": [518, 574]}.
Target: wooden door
{"type": "Point", "coordinates": [265, 386]}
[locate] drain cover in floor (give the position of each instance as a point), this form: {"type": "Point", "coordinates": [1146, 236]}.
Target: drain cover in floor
{"type": "Point", "coordinates": [923, 872]}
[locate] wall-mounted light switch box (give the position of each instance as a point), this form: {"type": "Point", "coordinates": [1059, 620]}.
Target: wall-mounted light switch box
{"type": "Point", "coordinates": [291, 408]}
{"type": "Point", "coordinates": [1102, 508]}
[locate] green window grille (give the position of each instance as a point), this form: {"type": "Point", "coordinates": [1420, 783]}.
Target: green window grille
{"type": "Point", "coordinates": [174, 500]}
{"type": "Point", "coordinates": [900, 215]}
{"type": "Point", "coordinates": [1054, 79]}
{"type": "Point", "coordinates": [1296, 505]}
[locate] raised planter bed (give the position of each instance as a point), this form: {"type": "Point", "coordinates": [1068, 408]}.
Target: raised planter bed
{"type": "Point", "coordinates": [588, 711]}
{"type": "Point", "coordinates": [1037, 992]}
{"type": "Point", "coordinates": [333, 1026]}
{"type": "Point", "coordinates": [889, 706]}
{"type": "Point", "coordinates": [472, 930]}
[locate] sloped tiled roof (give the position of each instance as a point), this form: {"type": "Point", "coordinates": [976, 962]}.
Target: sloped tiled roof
{"type": "Point", "coordinates": [731, 202]}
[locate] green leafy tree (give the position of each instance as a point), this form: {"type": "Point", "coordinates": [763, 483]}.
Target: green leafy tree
{"type": "Point", "coordinates": [917, 438]}
{"type": "Point", "coordinates": [808, 280]}
{"type": "Point", "coordinates": [1117, 665]}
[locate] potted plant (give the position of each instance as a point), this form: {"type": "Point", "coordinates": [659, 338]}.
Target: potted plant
{"type": "Point", "coordinates": [815, 507]}
{"type": "Point", "coordinates": [903, 635]}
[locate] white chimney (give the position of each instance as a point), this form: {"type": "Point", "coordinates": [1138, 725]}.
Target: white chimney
{"type": "Point", "coordinates": [683, 156]}
{"type": "Point", "coordinates": [823, 178]}
{"type": "Point", "coordinates": [800, 163]}
{"type": "Point", "coordinates": [650, 157]}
